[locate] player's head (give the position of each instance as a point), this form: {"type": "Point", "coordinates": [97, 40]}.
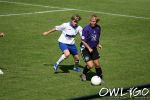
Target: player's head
{"type": "Point", "coordinates": [74, 20]}
{"type": "Point", "coordinates": [94, 20]}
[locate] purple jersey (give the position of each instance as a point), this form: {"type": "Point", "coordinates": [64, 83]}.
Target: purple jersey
{"type": "Point", "coordinates": [91, 35]}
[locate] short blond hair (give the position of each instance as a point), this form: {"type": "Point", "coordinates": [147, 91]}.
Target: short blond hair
{"type": "Point", "coordinates": [97, 19]}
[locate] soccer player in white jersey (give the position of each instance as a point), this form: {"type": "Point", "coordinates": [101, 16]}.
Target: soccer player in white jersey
{"type": "Point", "coordinates": [66, 40]}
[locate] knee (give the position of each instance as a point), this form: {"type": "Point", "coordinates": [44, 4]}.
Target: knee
{"type": "Point", "coordinates": [67, 54]}
{"type": "Point", "coordinates": [90, 66]}
{"type": "Point", "coordinates": [76, 58]}
{"type": "Point", "coordinates": [97, 65]}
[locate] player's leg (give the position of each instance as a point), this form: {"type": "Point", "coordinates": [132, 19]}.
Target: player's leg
{"type": "Point", "coordinates": [98, 68]}
{"type": "Point", "coordinates": [89, 63]}
{"type": "Point", "coordinates": [73, 50]}
{"type": "Point", "coordinates": [96, 61]}
{"type": "Point", "coordinates": [87, 67]}
{"type": "Point", "coordinates": [76, 63]}
{"type": "Point", "coordinates": [65, 55]}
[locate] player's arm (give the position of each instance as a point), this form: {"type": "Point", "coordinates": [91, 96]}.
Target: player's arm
{"type": "Point", "coordinates": [99, 45]}
{"type": "Point", "coordinates": [80, 31]}
{"type": "Point", "coordinates": [49, 31]}
{"type": "Point", "coordinates": [87, 46]}
{"type": "Point", "coordinates": [57, 28]}
{"type": "Point", "coordinates": [84, 37]}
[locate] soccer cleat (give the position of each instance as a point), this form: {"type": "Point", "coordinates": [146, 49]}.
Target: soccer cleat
{"type": "Point", "coordinates": [83, 77]}
{"type": "Point", "coordinates": [101, 76]}
{"type": "Point", "coordinates": [55, 67]}
{"type": "Point", "coordinates": [77, 69]}
{"type": "Point", "coordinates": [102, 81]}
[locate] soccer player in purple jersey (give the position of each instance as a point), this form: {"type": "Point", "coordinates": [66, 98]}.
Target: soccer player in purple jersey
{"type": "Point", "coordinates": [89, 44]}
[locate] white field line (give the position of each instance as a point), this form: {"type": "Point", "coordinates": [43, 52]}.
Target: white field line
{"type": "Point", "coordinates": [27, 4]}
{"type": "Point", "coordinates": [36, 12]}
{"type": "Point", "coordinates": [105, 13]}
{"type": "Point", "coordinates": [112, 14]}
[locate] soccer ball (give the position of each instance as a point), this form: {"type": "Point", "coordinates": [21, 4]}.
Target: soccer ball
{"type": "Point", "coordinates": [96, 80]}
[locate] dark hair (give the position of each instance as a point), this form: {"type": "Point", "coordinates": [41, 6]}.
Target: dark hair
{"type": "Point", "coordinates": [97, 19]}
{"type": "Point", "coordinates": [76, 18]}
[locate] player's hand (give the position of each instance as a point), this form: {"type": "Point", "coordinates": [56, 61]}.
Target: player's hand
{"type": "Point", "coordinates": [90, 50]}
{"type": "Point", "coordinates": [45, 33]}
{"type": "Point", "coordinates": [2, 34]}
{"type": "Point", "coordinates": [100, 46]}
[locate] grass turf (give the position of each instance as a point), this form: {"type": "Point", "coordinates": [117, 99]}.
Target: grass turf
{"type": "Point", "coordinates": [26, 57]}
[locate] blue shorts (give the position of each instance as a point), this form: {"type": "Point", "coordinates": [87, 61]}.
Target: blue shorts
{"type": "Point", "coordinates": [72, 48]}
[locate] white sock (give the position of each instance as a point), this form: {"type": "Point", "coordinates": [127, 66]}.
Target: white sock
{"type": "Point", "coordinates": [61, 59]}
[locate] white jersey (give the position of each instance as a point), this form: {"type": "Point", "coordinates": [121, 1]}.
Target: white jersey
{"type": "Point", "coordinates": [68, 33]}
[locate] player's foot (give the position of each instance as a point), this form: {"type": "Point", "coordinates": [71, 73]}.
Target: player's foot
{"type": "Point", "coordinates": [55, 67]}
{"type": "Point", "coordinates": [101, 76]}
{"type": "Point", "coordinates": [77, 69]}
{"type": "Point", "coordinates": [83, 77]}
{"type": "Point", "coordinates": [102, 81]}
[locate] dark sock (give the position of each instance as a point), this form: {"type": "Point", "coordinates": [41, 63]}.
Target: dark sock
{"type": "Point", "coordinates": [76, 64]}
{"type": "Point", "coordinates": [99, 72]}
{"type": "Point", "coordinates": [85, 70]}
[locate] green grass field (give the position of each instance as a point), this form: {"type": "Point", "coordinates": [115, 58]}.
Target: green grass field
{"type": "Point", "coordinates": [26, 57]}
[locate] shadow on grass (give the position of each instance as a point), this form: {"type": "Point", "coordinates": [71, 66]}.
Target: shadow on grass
{"type": "Point", "coordinates": [63, 68]}
{"type": "Point", "coordinates": [68, 68]}
{"type": "Point", "coordinates": [2, 68]}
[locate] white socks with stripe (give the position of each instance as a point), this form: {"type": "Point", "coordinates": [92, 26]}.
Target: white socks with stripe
{"type": "Point", "coordinates": [61, 59]}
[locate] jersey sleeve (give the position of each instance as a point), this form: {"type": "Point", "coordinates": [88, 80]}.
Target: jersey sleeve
{"type": "Point", "coordinates": [80, 31]}
{"type": "Point", "coordinates": [84, 36]}
{"type": "Point", "coordinates": [60, 27]}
